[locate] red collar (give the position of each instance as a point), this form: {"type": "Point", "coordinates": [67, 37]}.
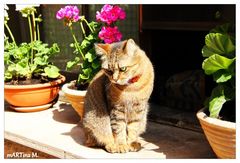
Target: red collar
{"type": "Point", "coordinates": [134, 79]}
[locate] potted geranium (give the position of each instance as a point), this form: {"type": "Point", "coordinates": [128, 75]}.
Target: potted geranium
{"type": "Point", "coordinates": [101, 31]}
{"type": "Point", "coordinates": [32, 82]}
{"type": "Point", "coordinates": [218, 117]}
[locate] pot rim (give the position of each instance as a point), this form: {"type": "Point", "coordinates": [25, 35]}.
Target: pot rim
{"type": "Point", "coordinates": [66, 89]}
{"type": "Point", "coordinates": [43, 85]}
{"type": "Point", "coordinates": [214, 121]}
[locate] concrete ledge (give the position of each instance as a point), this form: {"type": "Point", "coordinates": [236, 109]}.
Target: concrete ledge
{"type": "Point", "coordinates": [57, 132]}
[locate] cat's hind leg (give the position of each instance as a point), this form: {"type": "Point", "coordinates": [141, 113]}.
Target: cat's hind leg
{"type": "Point", "coordinates": [90, 140]}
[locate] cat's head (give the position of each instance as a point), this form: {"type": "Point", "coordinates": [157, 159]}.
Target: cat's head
{"type": "Point", "coordinates": [120, 61]}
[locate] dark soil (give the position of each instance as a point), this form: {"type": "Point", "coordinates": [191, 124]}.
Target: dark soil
{"type": "Point", "coordinates": [78, 86]}
{"type": "Point", "coordinates": [24, 81]}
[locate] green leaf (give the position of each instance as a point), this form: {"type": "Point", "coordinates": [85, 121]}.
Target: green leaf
{"type": "Point", "coordinates": [216, 101]}
{"type": "Point", "coordinates": [90, 55]}
{"type": "Point", "coordinates": [71, 64]}
{"type": "Point", "coordinates": [95, 25]}
{"type": "Point", "coordinates": [85, 64]}
{"type": "Point", "coordinates": [22, 68]}
{"type": "Point", "coordinates": [96, 64]}
{"type": "Point", "coordinates": [216, 62]}
{"type": "Point", "coordinates": [33, 67]}
{"type": "Point", "coordinates": [20, 52]}
{"type": "Point", "coordinates": [217, 43]}
{"type": "Point", "coordinates": [215, 106]}
{"type": "Point", "coordinates": [7, 76]}
{"type": "Point", "coordinates": [222, 76]}
{"type": "Point", "coordinates": [84, 77]}
{"type": "Point", "coordinates": [90, 37]}
{"type": "Point", "coordinates": [41, 60]}
{"type": "Point", "coordinates": [55, 48]}
{"type": "Point", "coordinates": [85, 43]}
{"type": "Point", "coordinates": [206, 52]}
{"type": "Point", "coordinates": [87, 71]}
{"type": "Point", "coordinates": [51, 71]}
{"type": "Point", "coordinates": [220, 94]}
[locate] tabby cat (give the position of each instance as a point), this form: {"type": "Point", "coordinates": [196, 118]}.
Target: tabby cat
{"type": "Point", "coordinates": [116, 103]}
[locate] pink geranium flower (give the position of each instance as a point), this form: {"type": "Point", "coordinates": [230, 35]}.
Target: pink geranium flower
{"type": "Point", "coordinates": [110, 34]}
{"type": "Point", "coordinates": [110, 14]}
{"type": "Point", "coordinates": [69, 13]}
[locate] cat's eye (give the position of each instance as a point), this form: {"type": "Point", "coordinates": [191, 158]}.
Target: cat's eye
{"type": "Point", "coordinates": [123, 69]}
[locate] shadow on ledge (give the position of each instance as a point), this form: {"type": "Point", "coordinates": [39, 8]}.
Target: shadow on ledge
{"type": "Point", "coordinates": [64, 113]}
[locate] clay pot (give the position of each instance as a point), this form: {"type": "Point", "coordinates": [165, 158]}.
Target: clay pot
{"type": "Point", "coordinates": [220, 134]}
{"type": "Point", "coordinates": [75, 97]}
{"type": "Point", "coordinates": [35, 97]}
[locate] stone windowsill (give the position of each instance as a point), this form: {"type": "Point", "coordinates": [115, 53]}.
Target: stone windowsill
{"type": "Point", "coordinates": [57, 132]}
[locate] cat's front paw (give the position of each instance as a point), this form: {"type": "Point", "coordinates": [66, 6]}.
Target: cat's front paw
{"type": "Point", "coordinates": [135, 146]}
{"type": "Point", "coordinates": [123, 148]}
{"type": "Point", "coordinates": [111, 148]}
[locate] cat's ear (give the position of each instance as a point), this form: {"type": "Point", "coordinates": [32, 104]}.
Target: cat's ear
{"type": "Point", "coordinates": [131, 47]}
{"type": "Point", "coordinates": [101, 49]}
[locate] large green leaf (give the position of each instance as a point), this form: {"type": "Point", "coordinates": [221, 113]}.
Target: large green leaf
{"type": "Point", "coordinates": [216, 101]}
{"type": "Point", "coordinates": [215, 106]}
{"type": "Point", "coordinates": [41, 60]}
{"type": "Point", "coordinates": [217, 43]}
{"type": "Point", "coordinates": [51, 71]}
{"type": "Point", "coordinates": [220, 94]}
{"type": "Point", "coordinates": [22, 69]}
{"type": "Point", "coordinates": [216, 62]}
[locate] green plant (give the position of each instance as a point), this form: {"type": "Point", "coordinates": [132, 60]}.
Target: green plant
{"type": "Point", "coordinates": [220, 58]}
{"type": "Point", "coordinates": [102, 30]}
{"type": "Point", "coordinates": [86, 56]}
{"type": "Point", "coordinates": [28, 60]}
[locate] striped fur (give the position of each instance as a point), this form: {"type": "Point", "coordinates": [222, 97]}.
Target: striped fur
{"type": "Point", "coordinates": [116, 103]}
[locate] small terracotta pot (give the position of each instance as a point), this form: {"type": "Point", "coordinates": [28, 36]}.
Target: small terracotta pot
{"type": "Point", "coordinates": [220, 134]}
{"type": "Point", "coordinates": [75, 97]}
{"type": "Point", "coordinates": [27, 97]}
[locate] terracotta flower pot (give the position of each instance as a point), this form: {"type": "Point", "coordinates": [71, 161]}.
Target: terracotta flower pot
{"type": "Point", "coordinates": [35, 97]}
{"type": "Point", "coordinates": [221, 135]}
{"type": "Point", "coordinates": [75, 97]}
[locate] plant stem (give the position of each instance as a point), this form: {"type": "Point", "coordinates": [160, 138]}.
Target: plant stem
{"type": "Point", "coordinates": [76, 43]}
{"type": "Point", "coordinates": [5, 38]}
{"type": "Point", "coordinates": [30, 27]}
{"type": "Point", "coordinates": [34, 26]}
{"type": "Point", "coordinates": [83, 30]}
{"type": "Point", "coordinates": [31, 36]}
{"type": "Point", "coordinates": [9, 31]}
{"type": "Point", "coordinates": [38, 32]}
{"type": "Point", "coordinates": [92, 30]}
